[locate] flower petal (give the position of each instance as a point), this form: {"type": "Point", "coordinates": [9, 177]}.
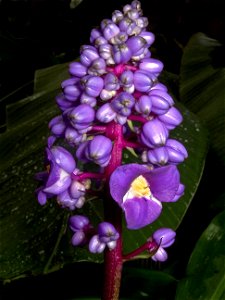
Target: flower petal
{"type": "Point", "coordinates": [122, 178]}
{"type": "Point", "coordinates": [164, 182]}
{"type": "Point", "coordinates": [140, 212]}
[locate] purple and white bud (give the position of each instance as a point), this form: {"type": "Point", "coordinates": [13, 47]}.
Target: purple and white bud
{"type": "Point", "coordinates": [95, 33]}
{"type": "Point", "coordinates": [176, 151]}
{"type": "Point", "coordinates": [66, 201]}
{"type": "Point", "coordinates": [144, 105]}
{"type": "Point", "coordinates": [72, 92]}
{"type": "Point", "coordinates": [111, 82]}
{"type": "Point", "coordinates": [164, 237]}
{"type": "Point", "coordinates": [172, 118]}
{"type": "Point", "coordinates": [97, 67]}
{"type": "Point", "coordinates": [77, 69]}
{"type": "Point", "coordinates": [57, 126]}
{"type": "Point", "coordinates": [143, 81]}
{"type": "Point", "coordinates": [142, 22]}
{"type": "Point", "coordinates": [158, 156]}
{"type": "Point", "coordinates": [136, 5]}
{"type": "Point", "coordinates": [159, 86]}
{"type": "Point", "coordinates": [127, 78]}
{"type": "Point", "coordinates": [148, 36]}
{"type": "Point", "coordinates": [78, 238]}
{"type": "Point", "coordinates": [100, 41]}
{"type": "Point", "coordinates": [160, 105]}
{"type": "Point", "coordinates": [125, 23]}
{"type": "Point", "coordinates": [63, 158]}
{"type": "Point", "coordinates": [133, 29]}
{"type": "Point", "coordinates": [120, 119]}
{"type": "Point", "coordinates": [133, 14]}
{"type": "Point", "coordinates": [120, 38]}
{"type": "Point", "coordinates": [78, 222]}
{"type": "Point", "coordinates": [160, 255]}
{"type": "Point", "coordinates": [162, 94]}
{"type": "Point", "coordinates": [77, 189]}
{"type": "Point", "coordinates": [72, 136]}
{"type": "Point", "coordinates": [82, 115]}
{"type": "Point", "coordinates": [154, 134]}
{"type": "Point", "coordinates": [92, 85]}
{"type": "Point", "coordinates": [99, 148]}
{"type": "Point", "coordinates": [63, 103]}
{"type": "Point", "coordinates": [80, 153]}
{"type": "Point", "coordinates": [121, 53]}
{"type": "Point", "coordinates": [88, 55]}
{"type": "Point", "coordinates": [123, 103]}
{"type": "Point", "coordinates": [127, 8]}
{"type": "Point", "coordinates": [105, 51]}
{"type": "Point", "coordinates": [105, 113]}
{"type": "Point", "coordinates": [117, 16]}
{"type": "Point", "coordinates": [69, 82]}
{"type": "Point", "coordinates": [95, 246]}
{"type": "Point", "coordinates": [110, 31]}
{"type": "Point", "coordinates": [86, 99]}
{"type": "Point", "coordinates": [107, 232]}
{"type": "Point", "coordinates": [105, 23]}
{"type": "Point", "coordinates": [151, 65]}
{"type": "Point", "coordinates": [106, 95]}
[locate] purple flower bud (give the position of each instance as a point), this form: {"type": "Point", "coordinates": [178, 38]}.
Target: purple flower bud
{"type": "Point", "coordinates": [160, 255]}
{"type": "Point", "coordinates": [121, 53]}
{"type": "Point", "coordinates": [63, 158]}
{"type": "Point", "coordinates": [92, 85]}
{"type": "Point", "coordinates": [98, 148]}
{"type": "Point", "coordinates": [100, 41]}
{"type": "Point", "coordinates": [143, 80]}
{"type": "Point", "coordinates": [110, 31]}
{"type": "Point", "coordinates": [120, 38]}
{"type": "Point", "coordinates": [72, 136]}
{"type": "Point", "coordinates": [78, 238]}
{"type": "Point", "coordinates": [117, 16]}
{"type": "Point", "coordinates": [127, 78]}
{"type": "Point", "coordinates": [95, 246]}
{"type": "Point", "coordinates": [77, 189]}
{"type": "Point", "coordinates": [137, 44]}
{"type": "Point", "coordinates": [78, 222]}
{"type": "Point", "coordinates": [120, 119]}
{"type": "Point", "coordinates": [176, 151]}
{"type": "Point", "coordinates": [148, 36]}
{"type": "Point", "coordinates": [107, 232]}
{"type": "Point", "coordinates": [105, 23]}
{"type": "Point", "coordinates": [159, 86]}
{"type": "Point", "coordinates": [151, 65]}
{"type": "Point", "coordinates": [125, 23]}
{"type": "Point", "coordinates": [158, 156]}
{"type": "Point", "coordinates": [66, 201]}
{"type": "Point", "coordinates": [123, 103]}
{"type": "Point", "coordinates": [77, 69]}
{"type": "Point", "coordinates": [159, 104]}
{"type": "Point", "coordinates": [126, 8]}
{"type": "Point", "coordinates": [172, 118]}
{"type": "Point", "coordinates": [162, 94]}
{"type": "Point", "coordinates": [80, 153]}
{"type": "Point", "coordinates": [144, 105]}
{"type": "Point", "coordinates": [95, 33]}
{"type": "Point", "coordinates": [86, 99]}
{"type": "Point", "coordinates": [72, 92]}
{"type": "Point", "coordinates": [63, 103]}
{"type": "Point", "coordinates": [111, 82]}
{"type": "Point", "coordinates": [142, 22]}
{"type": "Point", "coordinates": [133, 14]}
{"type": "Point", "coordinates": [106, 95]}
{"type": "Point", "coordinates": [83, 114]}
{"type": "Point", "coordinates": [133, 29]}
{"type": "Point", "coordinates": [154, 134]}
{"type": "Point", "coordinates": [57, 126]}
{"type": "Point", "coordinates": [97, 67]}
{"type": "Point", "coordinates": [68, 82]}
{"type": "Point", "coordinates": [105, 113]}
{"type": "Point", "coordinates": [88, 56]}
{"type": "Point", "coordinates": [105, 51]}
{"type": "Point", "coordinates": [164, 237]}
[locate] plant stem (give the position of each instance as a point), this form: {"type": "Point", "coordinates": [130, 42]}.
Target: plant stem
{"type": "Point", "coordinates": [113, 261]}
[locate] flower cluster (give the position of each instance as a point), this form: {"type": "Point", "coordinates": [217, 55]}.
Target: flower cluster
{"type": "Point", "coordinates": [112, 101]}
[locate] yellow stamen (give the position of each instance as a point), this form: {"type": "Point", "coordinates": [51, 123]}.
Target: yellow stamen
{"type": "Point", "coordinates": [139, 187]}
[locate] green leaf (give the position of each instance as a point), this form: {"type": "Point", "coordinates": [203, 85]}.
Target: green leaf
{"type": "Point", "coordinates": [147, 284]}
{"type": "Point", "coordinates": [36, 239]}
{"type": "Point", "coordinates": [202, 87]}
{"type": "Point", "coordinates": [205, 275]}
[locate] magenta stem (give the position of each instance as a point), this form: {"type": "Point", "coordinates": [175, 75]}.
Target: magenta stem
{"type": "Point", "coordinates": [149, 246]}
{"type": "Point", "coordinates": [98, 128]}
{"type": "Point", "coordinates": [87, 175]}
{"type": "Point", "coordinates": [137, 118]}
{"type": "Point", "coordinates": [113, 261]}
{"type": "Point", "coordinates": [131, 144]}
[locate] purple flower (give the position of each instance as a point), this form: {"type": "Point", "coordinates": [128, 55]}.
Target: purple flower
{"type": "Point", "coordinates": [140, 191]}
{"type": "Point", "coordinates": [163, 237]}
{"type": "Point", "coordinates": [143, 80]}
{"type": "Point", "coordinates": [81, 227]}
{"type": "Point", "coordinates": [81, 116]}
{"type": "Point", "coordinates": [172, 118]}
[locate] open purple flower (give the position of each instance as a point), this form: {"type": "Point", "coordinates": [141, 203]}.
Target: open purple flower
{"type": "Point", "coordinates": [139, 191]}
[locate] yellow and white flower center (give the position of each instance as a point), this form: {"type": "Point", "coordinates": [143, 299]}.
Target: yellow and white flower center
{"type": "Point", "coordinates": [139, 188]}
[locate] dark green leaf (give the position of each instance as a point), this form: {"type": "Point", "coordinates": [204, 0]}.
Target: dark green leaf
{"type": "Point", "coordinates": [205, 276]}
{"type": "Point", "coordinates": [202, 87]}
